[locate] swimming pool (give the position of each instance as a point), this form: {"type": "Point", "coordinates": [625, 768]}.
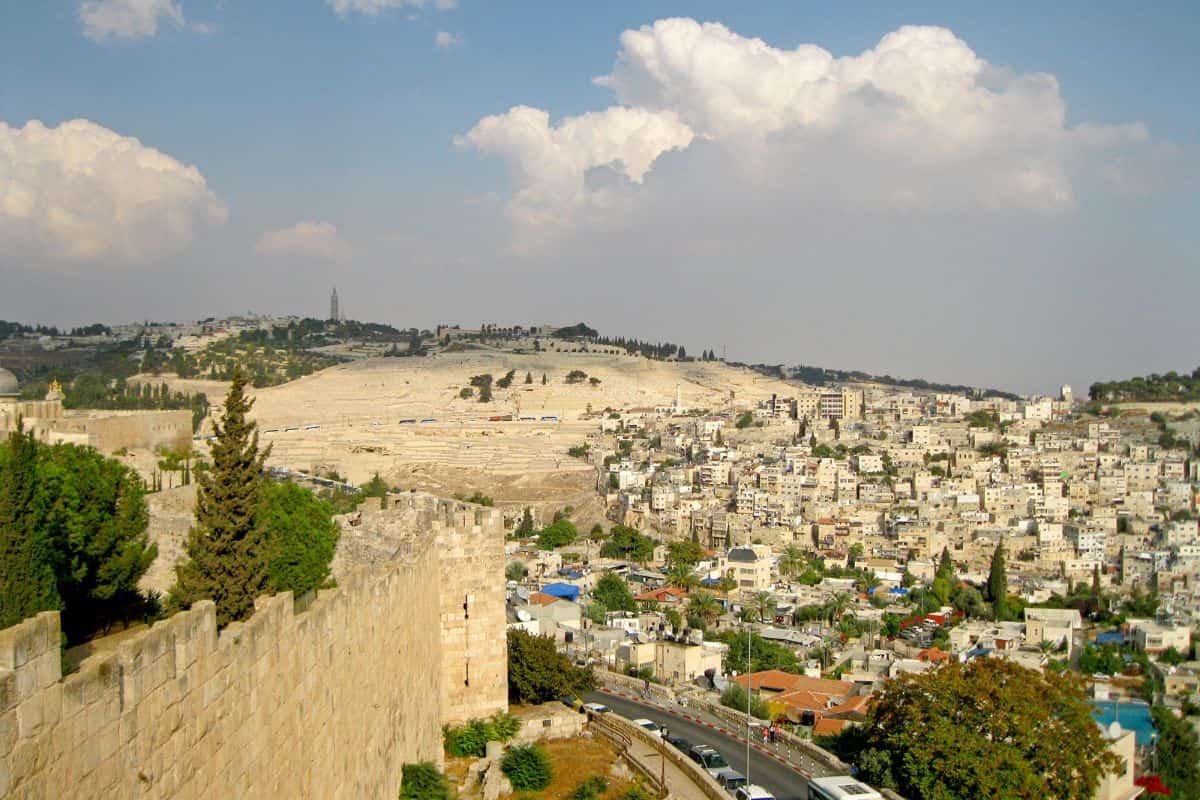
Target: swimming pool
{"type": "Point", "coordinates": [1132, 716]}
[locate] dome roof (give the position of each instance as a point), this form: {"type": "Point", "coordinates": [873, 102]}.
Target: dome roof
{"type": "Point", "coordinates": [743, 554]}
{"type": "Point", "coordinates": [9, 386]}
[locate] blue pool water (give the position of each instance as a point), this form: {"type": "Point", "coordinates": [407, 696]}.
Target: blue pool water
{"type": "Point", "coordinates": [1132, 716]}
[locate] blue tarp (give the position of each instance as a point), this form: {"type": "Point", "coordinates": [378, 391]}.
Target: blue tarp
{"type": "Point", "coordinates": [710, 582]}
{"type": "Point", "coordinates": [564, 590]}
{"type": "Point", "coordinates": [899, 590]}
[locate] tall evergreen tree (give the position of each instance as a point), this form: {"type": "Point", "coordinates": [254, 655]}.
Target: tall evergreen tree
{"type": "Point", "coordinates": [27, 581]}
{"type": "Point", "coordinates": [998, 584]}
{"type": "Point", "coordinates": [228, 550]}
{"type": "Point", "coordinates": [946, 565]}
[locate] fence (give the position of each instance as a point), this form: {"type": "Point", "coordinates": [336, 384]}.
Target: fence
{"type": "Point", "coordinates": [621, 738]}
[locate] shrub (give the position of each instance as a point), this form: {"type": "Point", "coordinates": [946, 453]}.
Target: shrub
{"type": "Point", "coordinates": [735, 697]}
{"type": "Point", "coordinates": [471, 739]}
{"type": "Point", "coordinates": [527, 767]}
{"type": "Point", "coordinates": [423, 782]}
{"type": "Point", "coordinates": [590, 789]}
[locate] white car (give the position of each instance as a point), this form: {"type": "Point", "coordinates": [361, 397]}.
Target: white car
{"type": "Point", "coordinates": [752, 792]}
{"type": "Point", "coordinates": [649, 727]}
{"type": "Point", "coordinates": [596, 708]}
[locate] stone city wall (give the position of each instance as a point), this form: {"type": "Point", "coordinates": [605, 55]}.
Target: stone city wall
{"type": "Point", "coordinates": [327, 703]}
{"type": "Point", "coordinates": [115, 430]}
{"type": "Point", "coordinates": [469, 542]}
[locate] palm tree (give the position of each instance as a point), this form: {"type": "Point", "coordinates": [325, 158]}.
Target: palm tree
{"type": "Point", "coordinates": [836, 606]}
{"type": "Point", "coordinates": [681, 575]}
{"type": "Point", "coordinates": [868, 581]}
{"type": "Point", "coordinates": [792, 562]}
{"type": "Point", "coordinates": [705, 606]}
{"type": "Point", "coordinates": [728, 582]}
{"type": "Point", "coordinates": [762, 603]}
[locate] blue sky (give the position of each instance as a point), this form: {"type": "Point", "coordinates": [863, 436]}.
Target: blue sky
{"type": "Point", "coordinates": [292, 113]}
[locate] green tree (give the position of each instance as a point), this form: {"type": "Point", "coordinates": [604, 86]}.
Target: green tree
{"type": "Point", "coordinates": [763, 605]}
{"type": "Point", "coordinates": [685, 552]}
{"type": "Point", "coordinates": [613, 593]}
{"type": "Point", "coordinates": [763, 654]}
{"type": "Point", "coordinates": [681, 575]}
{"type": "Point", "coordinates": [27, 583]}
{"type": "Point", "coordinates": [744, 420]}
{"type": "Point", "coordinates": [1178, 754]}
{"type": "Point", "coordinates": [627, 542]}
{"type": "Point", "coordinates": [705, 606]}
{"type": "Point", "coordinates": [422, 781]}
{"type": "Point", "coordinates": [987, 728]}
{"type": "Point", "coordinates": [537, 672]}
{"type": "Point", "coordinates": [997, 585]}
{"type": "Point", "coordinates": [228, 550]}
{"type": "Point", "coordinates": [735, 697]}
{"type": "Point", "coordinates": [516, 571]}
{"type": "Point", "coordinates": [301, 536]}
{"type": "Point", "coordinates": [92, 516]}
{"type": "Point", "coordinates": [792, 562]}
{"type": "Point", "coordinates": [557, 534]}
{"type": "Point", "coordinates": [376, 487]}
{"type": "Point", "coordinates": [525, 528]}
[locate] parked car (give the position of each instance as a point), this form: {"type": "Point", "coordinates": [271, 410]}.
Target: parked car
{"type": "Point", "coordinates": [709, 758]}
{"type": "Point", "coordinates": [596, 708]}
{"type": "Point", "coordinates": [730, 779]}
{"type": "Point", "coordinates": [679, 743]}
{"type": "Point", "coordinates": [648, 726]}
{"type": "Point", "coordinates": [752, 792]}
{"type": "Point", "coordinates": [571, 701]}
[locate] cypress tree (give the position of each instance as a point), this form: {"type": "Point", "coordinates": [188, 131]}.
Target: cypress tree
{"type": "Point", "coordinates": [228, 550]}
{"type": "Point", "coordinates": [27, 581]}
{"type": "Point", "coordinates": [998, 584]}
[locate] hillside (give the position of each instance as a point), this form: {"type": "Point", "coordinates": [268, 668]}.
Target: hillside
{"type": "Point", "coordinates": [405, 418]}
{"type": "Point", "coordinates": [1169, 388]}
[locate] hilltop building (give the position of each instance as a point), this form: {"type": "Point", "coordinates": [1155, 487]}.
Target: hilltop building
{"type": "Point", "coordinates": [104, 430]}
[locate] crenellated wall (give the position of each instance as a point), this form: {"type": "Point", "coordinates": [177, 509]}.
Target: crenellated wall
{"type": "Point", "coordinates": [325, 703]}
{"type": "Point", "coordinates": [469, 541]}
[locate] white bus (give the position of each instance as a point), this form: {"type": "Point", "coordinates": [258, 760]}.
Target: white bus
{"type": "Point", "coordinates": [841, 787]}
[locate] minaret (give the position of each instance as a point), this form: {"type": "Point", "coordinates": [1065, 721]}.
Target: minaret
{"type": "Point", "coordinates": [678, 401]}
{"type": "Point", "coordinates": [333, 306]}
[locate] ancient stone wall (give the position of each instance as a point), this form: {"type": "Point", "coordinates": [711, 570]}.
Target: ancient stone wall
{"type": "Point", "coordinates": [469, 542]}
{"type": "Point", "coordinates": [327, 703]}
{"type": "Point", "coordinates": [108, 431]}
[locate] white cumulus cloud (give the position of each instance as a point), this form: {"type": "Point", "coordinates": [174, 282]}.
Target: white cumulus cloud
{"type": "Point", "coordinates": [373, 8]}
{"type": "Point", "coordinates": [127, 19]}
{"type": "Point", "coordinates": [446, 40]}
{"type": "Point", "coordinates": [316, 240]}
{"type": "Point", "coordinates": [551, 162]}
{"type": "Point", "coordinates": [920, 121]}
{"type": "Point", "coordinates": [80, 192]}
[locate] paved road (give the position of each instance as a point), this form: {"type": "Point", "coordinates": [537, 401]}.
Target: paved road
{"type": "Point", "coordinates": [779, 779]}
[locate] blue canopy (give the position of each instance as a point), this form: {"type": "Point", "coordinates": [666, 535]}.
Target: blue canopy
{"type": "Point", "coordinates": [564, 590]}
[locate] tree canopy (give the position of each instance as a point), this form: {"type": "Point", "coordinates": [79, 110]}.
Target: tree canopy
{"type": "Point", "coordinates": [228, 549]}
{"type": "Point", "coordinates": [1178, 754]}
{"type": "Point", "coordinates": [537, 672]}
{"type": "Point", "coordinates": [763, 654]}
{"type": "Point", "coordinates": [557, 534]}
{"type": "Point", "coordinates": [613, 593]}
{"type": "Point", "coordinates": [72, 535]}
{"type": "Point", "coordinates": [987, 728]}
{"type": "Point", "coordinates": [301, 536]}
{"type": "Point", "coordinates": [627, 542]}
